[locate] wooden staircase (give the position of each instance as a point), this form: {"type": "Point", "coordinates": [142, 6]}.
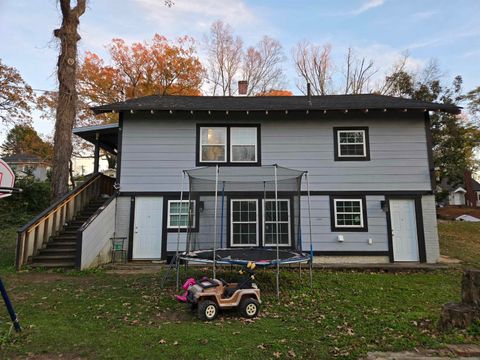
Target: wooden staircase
{"type": "Point", "coordinates": [50, 238]}
{"type": "Point", "coordinates": [61, 250]}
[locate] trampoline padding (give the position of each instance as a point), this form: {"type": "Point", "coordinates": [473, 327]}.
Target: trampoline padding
{"type": "Point", "coordinates": [260, 256]}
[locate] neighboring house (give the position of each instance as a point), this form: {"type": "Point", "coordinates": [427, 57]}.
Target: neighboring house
{"type": "Point", "coordinates": [369, 160]}
{"type": "Point", "coordinates": [22, 163]}
{"type": "Point", "coordinates": [457, 197]}
{"type": "Point", "coordinates": [466, 194]}
{"type": "Point", "coordinates": [85, 165]}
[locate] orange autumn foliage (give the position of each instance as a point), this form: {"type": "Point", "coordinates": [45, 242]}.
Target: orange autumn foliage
{"type": "Point", "coordinates": [159, 67]}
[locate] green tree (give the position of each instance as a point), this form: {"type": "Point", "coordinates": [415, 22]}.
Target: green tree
{"type": "Point", "coordinates": [19, 208]}
{"type": "Point", "coordinates": [454, 137]}
{"type": "Point", "coordinates": [23, 139]}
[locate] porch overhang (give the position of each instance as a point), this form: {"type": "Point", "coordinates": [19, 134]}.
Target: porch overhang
{"type": "Point", "coordinates": [105, 136]}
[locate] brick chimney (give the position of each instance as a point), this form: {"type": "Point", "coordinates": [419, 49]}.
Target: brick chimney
{"type": "Point", "coordinates": [242, 87]}
{"type": "Point", "coordinates": [470, 196]}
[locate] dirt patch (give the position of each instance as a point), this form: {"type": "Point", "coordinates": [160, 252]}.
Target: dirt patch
{"type": "Point", "coordinates": [452, 212]}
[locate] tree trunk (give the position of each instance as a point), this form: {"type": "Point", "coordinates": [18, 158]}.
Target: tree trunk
{"type": "Point", "coordinates": [112, 160]}
{"type": "Point", "coordinates": [462, 315]}
{"type": "Point", "coordinates": [67, 95]}
{"type": "Point", "coordinates": [471, 287]}
{"type": "Point", "coordinates": [457, 315]}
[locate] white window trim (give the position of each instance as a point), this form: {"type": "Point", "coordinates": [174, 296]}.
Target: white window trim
{"type": "Point", "coordinates": [243, 222]}
{"type": "Point", "coordinates": [364, 143]}
{"type": "Point", "coordinates": [361, 226]}
{"type": "Point", "coordinates": [169, 226]}
{"type": "Point", "coordinates": [255, 144]}
{"type": "Point", "coordinates": [280, 222]}
{"type": "Point", "coordinates": [224, 145]}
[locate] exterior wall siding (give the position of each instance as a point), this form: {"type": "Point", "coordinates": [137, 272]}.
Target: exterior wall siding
{"type": "Point", "coordinates": [122, 220]}
{"type": "Point", "coordinates": [430, 228]}
{"type": "Point", "coordinates": [323, 239]}
{"type": "Point", "coordinates": [96, 243]}
{"type": "Point", "coordinates": [154, 152]}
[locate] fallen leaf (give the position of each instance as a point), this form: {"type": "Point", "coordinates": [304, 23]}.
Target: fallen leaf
{"type": "Point", "coordinates": [162, 341]}
{"type": "Point", "coordinates": [261, 347]}
{"type": "Point", "coordinates": [277, 354]}
{"type": "Point", "coordinates": [291, 353]}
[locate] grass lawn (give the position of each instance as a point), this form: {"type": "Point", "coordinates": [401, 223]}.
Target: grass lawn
{"type": "Point", "coordinates": [101, 315]}
{"type": "Point", "coordinates": [461, 240]}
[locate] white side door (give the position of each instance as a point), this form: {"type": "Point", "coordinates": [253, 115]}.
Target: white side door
{"type": "Point", "coordinates": [404, 230]}
{"type": "Point", "coordinates": [147, 231]}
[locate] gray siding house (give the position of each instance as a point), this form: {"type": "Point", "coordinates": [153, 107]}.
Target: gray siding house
{"type": "Point", "coordinates": [368, 157]}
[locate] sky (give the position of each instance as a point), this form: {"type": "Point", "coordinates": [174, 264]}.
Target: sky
{"type": "Point", "coordinates": [445, 30]}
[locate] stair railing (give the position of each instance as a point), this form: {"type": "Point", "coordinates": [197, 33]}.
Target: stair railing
{"type": "Point", "coordinates": [34, 235]}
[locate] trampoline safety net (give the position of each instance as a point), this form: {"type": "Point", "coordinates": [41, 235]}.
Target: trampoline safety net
{"type": "Point", "coordinates": [240, 214]}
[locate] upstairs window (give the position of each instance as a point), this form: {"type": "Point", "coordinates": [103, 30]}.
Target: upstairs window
{"type": "Point", "coordinates": [351, 144]}
{"type": "Point", "coordinates": [243, 143]}
{"type": "Point", "coordinates": [229, 145]}
{"type": "Point", "coordinates": [213, 144]}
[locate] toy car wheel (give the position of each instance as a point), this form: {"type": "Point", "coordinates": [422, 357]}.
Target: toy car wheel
{"type": "Point", "coordinates": [249, 307]}
{"type": "Point", "coordinates": [207, 310]}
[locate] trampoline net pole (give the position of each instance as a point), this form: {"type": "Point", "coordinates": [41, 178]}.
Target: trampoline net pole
{"type": "Point", "coordinates": [215, 224]}
{"type": "Point", "coordinates": [310, 229]}
{"type": "Point", "coordinates": [177, 262]}
{"type": "Point", "coordinates": [276, 230]}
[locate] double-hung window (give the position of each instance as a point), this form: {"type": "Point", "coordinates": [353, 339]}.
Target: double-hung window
{"type": "Point", "coordinates": [349, 214]}
{"type": "Point", "coordinates": [179, 214]}
{"type": "Point", "coordinates": [270, 223]}
{"type": "Point", "coordinates": [244, 222]}
{"type": "Point", "coordinates": [228, 145]}
{"type": "Point", "coordinates": [351, 144]}
{"type": "Point", "coordinates": [243, 144]}
{"type": "Point", "coordinates": [213, 144]}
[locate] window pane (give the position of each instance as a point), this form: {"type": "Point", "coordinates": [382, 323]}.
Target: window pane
{"type": "Point", "coordinates": [213, 153]}
{"type": "Point", "coordinates": [243, 153]}
{"type": "Point", "coordinates": [349, 213]}
{"type": "Point", "coordinates": [243, 143]}
{"type": "Point", "coordinates": [351, 137]}
{"type": "Point", "coordinates": [243, 136]}
{"type": "Point", "coordinates": [351, 150]}
{"type": "Point", "coordinates": [244, 222]}
{"type": "Point", "coordinates": [214, 136]}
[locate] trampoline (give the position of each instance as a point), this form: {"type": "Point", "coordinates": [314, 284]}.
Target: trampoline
{"type": "Point", "coordinates": [262, 257]}
{"type": "Point", "coordinates": [232, 215]}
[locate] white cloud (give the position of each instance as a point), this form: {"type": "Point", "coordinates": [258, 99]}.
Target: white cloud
{"type": "Point", "coordinates": [367, 5]}
{"type": "Point", "coordinates": [192, 16]}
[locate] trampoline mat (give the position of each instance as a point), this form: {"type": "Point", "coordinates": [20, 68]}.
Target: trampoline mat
{"type": "Point", "coordinates": [260, 256]}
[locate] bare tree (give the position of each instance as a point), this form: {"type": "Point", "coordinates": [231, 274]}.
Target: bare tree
{"type": "Point", "coordinates": [262, 66]}
{"type": "Point", "coordinates": [67, 94]}
{"type": "Point", "coordinates": [359, 73]}
{"type": "Point", "coordinates": [390, 84]}
{"type": "Point", "coordinates": [224, 58]}
{"type": "Point", "coordinates": [313, 65]}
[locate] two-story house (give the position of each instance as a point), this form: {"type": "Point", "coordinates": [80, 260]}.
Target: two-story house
{"type": "Point", "coordinates": [368, 157]}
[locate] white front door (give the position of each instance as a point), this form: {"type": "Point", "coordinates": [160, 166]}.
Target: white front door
{"type": "Point", "coordinates": [404, 230]}
{"type": "Point", "coordinates": [147, 231]}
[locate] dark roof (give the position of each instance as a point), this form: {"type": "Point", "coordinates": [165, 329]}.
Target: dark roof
{"type": "Point", "coordinates": [476, 185]}
{"type": "Point", "coordinates": [262, 103]}
{"type": "Point", "coordinates": [107, 135]}
{"type": "Point", "coordinates": [23, 158]}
